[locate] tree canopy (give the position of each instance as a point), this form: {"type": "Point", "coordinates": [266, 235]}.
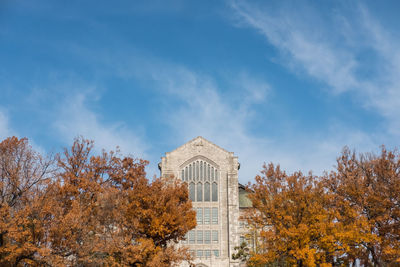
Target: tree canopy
{"type": "Point", "coordinates": [82, 209]}
{"type": "Point", "coordinates": [349, 216]}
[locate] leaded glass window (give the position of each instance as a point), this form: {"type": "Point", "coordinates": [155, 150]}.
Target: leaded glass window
{"type": "Point", "coordinates": [199, 216]}
{"type": "Point", "coordinates": [207, 237]}
{"type": "Point", "coordinates": [201, 170]}
{"type": "Point", "coordinates": [197, 170]}
{"type": "Point", "coordinates": [216, 253]}
{"type": "Point", "coordinates": [199, 253]}
{"type": "Point", "coordinates": [192, 237]}
{"type": "Point", "coordinates": [199, 237]}
{"type": "Point", "coordinates": [199, 192]}
{"type": "Point", "coordinates": [214, 215]}
{"type": "Point", "coordinates": [206, 215]}
{"type": "Point", "coordinates": [214, 191]}
{"type": "Point", "coordinates": [207, 191]}
{"type": "Point", "coordinates": [201, 177]}
{"type": "Point", "coordinates": [215, 236]}
{"type": "Point", "coordinates": [192, 192]}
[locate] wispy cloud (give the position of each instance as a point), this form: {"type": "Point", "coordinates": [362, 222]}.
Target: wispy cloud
{"type": "Point", "coordinates": [206, 111]}
{"type": "Point", "coordinates": [5, 130]}
{"type": "Point", "coordinates": [194, 103]}
{"type": "Point", "coordinates": [74, 118]}
{"type": "Point", "coordinates": [330, 51]}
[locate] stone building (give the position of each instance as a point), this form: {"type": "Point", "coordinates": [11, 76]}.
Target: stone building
{"type": "Point", "coordinates": [211, 173]}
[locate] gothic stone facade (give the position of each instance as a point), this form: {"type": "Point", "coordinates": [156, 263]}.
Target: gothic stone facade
{"type": "Point", "coordinates": [211, 173]}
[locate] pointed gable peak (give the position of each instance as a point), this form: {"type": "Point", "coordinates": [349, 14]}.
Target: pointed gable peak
{"type": "Point", "coordinates": [200, 142]}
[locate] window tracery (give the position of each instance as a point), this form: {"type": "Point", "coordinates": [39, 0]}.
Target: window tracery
{"type": "Point", "coordinates": [202, 178]}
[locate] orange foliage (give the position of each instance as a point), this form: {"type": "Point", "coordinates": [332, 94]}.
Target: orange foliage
{"type": "Point", "coordinates": [96, 210]}
{"type": "Point", "coordinates": [294, 220]}
{"type": "Point", "coordinates": [367, 190]}
{"type": "Point", "coordinates": [23, 176]}
{"type": "Point", "coordinates": [350, 215]}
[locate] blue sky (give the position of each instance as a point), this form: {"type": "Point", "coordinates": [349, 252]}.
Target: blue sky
{"type": "Point", "coordinates": [289, 82]}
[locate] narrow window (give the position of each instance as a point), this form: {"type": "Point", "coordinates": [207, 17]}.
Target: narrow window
{"type": "Point", "coordinates": [192, 237]}
{"type": "Point", "coordinates": [199, 192]}
{"type": "Point", "coordinates": [214, 216]}
{"type": "Point", "coordinates": [208, 172]}
{"type": "Point", "coordinates": [207, 191]}
{"type": "Point", "coordinates": [216, 253]}
{"type": "Point", "coordinates": [183, 175]}
{"type": "Point", "coordinates": [199, 237]}
{"type": "Point", "coordinates": [197, 170]}
{"type": "Point", "coordinates": [215, 236]}
{"type": "Point", "coordinates": [190, 172]}
{"type": "Point", "coordinates": [214, 192]}
{"type": "Point", "coordinates": [207, 237]}
{"type": "Point", "coordinates": [201, 170]}
{"type": "Point", "coordinates": [206, 215]}
{"type": "Point", "coordinates": [199, 216]}
{"type": "Point", "coordinates": [192, 192]}
{"type": "Point", "coordinates": [204, 171]}
{"type": "Point", "coordinates": [216, 175]}
{"type": "Point", "coordinates": [186, 173]}
{"type": "Point", "coordinates": [212, 173]}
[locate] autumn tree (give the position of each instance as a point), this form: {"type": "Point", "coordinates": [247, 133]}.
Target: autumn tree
{"type": "Point", "coordinates": [24, 175]}
{"type": "Point", "coordinates": [295, 219]}
{"type": "Point", "coordinates": [107, 212]}
{"type": "Point", "coordinates": [93, 210]}
{"type": "Point", "coordinates": [367, 190]}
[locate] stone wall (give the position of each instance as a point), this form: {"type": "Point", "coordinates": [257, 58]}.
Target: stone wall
{"type": "Point", "coordinates": [201, 149]}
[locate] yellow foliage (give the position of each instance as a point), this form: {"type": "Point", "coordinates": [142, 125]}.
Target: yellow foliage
{"type": "Point", "coordinates": [89, 211]}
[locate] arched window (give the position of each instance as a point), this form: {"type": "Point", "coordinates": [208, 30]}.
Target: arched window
{"type": "Point", "coordinates": [202, 178]}
{"type": "Point", "coordinates": [214, 191]}
{"type": "Point", "coordinates": [197, 170]}
{"type": "Point", "coordinates": [199, 192]}
{"type": "Point", "coordinates": [201, 170]}
{"type": "Point", "coordinates": [192, 192]}
{"type": "Point", "coordinates": [207, 191]}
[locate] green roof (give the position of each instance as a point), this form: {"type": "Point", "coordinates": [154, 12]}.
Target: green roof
{"type": "Point", "coordinates": [244, 201]}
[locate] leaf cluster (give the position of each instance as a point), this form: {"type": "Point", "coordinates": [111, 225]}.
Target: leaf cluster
{"type": "Point", "coordinates": [349, 216]}
{"type": "Point", "coordinates": [82, 209]}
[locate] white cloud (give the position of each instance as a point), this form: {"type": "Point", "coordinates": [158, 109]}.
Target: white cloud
{"type": "Point", "coordinates": [301, 45]}
{"type": "Point", "coordinates": [195, 104]}
{"type": "Point", "coordinates": [206, 112]}
{"type": "Point", "coordinates": [5, 130]}
{"type": "Point", "coordinates": [75, 119]}
{"type": "Point", "coordinates": [329, 51]}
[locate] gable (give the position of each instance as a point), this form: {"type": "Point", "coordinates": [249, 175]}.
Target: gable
{"type": "Point", "coordinates": [200, 144]}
